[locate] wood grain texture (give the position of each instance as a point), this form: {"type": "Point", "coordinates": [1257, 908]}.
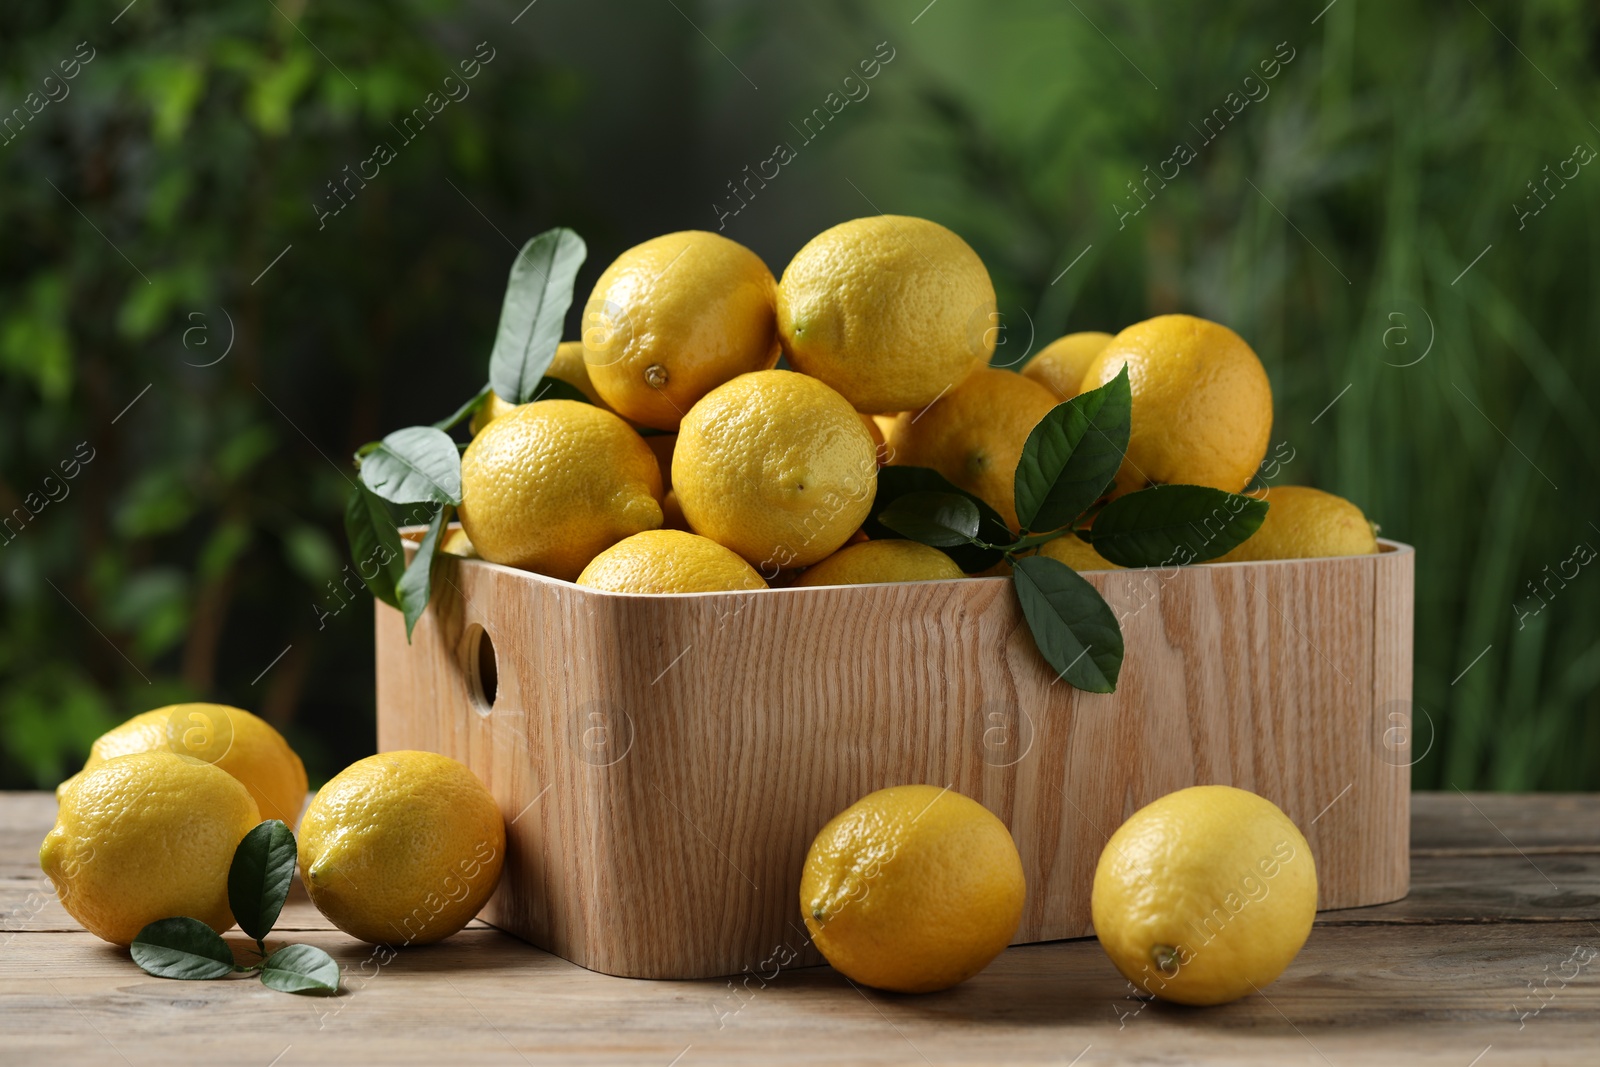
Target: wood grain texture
{"type": "Point", "coordinates": [674, 755]}
{"type": "Point", "coordinates": [1447, 989]}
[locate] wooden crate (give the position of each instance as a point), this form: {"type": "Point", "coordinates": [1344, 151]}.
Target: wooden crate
{"type": "Point", "coordinates": [663, 762]}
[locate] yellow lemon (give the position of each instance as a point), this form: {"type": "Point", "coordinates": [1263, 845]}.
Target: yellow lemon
{"type": "Point", "coordinates": [672, 319]}
{"type": "Point", "coordinates": [777, 467]}
{"type": "Point", "coordinates": [1202, 405]}
{"type": "Point", "coordinates": [234, 740]}
{"type": "Point", "coordinates": [549, 485]}
{"type": "Point", "coordinates": [457, 543]}
{"type": "Point", "coordinates": [1076, 553]}
{"type": "Point", "coordinates": [402, 848]}
{"type": "Point", "coordinates": [891, 311]}
{"type": "Point", "coordinates": [1205, 895]}
{"type": "Point", "coordinates": [491, 408]}
{"type": "Point", "coordinates": [669, 561]}
{"type": "Point", "coordinates": [1060, 365]}
{"type": "Point", "coordinates": [912, 889]}
{"type": "Point", "coordinates": [1304, 523]}
{"type": "Point", "coordinates": [974, 434]}
{"type": "Point", "coordinates": [147, 836]}
{"type": "Point", "coordinates": [892, 560]}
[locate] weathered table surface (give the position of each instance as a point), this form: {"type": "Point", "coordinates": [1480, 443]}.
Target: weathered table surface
{"type": "Point", "coordinates": [1490, 960]}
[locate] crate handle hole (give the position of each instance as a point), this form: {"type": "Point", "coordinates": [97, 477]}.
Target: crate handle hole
{"type": "Point", "coordinates": [483, 671]}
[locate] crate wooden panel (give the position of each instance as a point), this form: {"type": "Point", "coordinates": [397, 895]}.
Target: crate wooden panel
{"type": "Point", "coordinates": [664, 761]}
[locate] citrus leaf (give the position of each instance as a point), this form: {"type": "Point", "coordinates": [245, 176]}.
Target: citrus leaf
{"type": "Point", "coordinates": [1073, 627]}
{"type": "Point", "coordinates": [259, 877]}
{"type": "Point", "coordinates": [465, 411]}
{"type": "Point", "coordinates": [301, 969]}
{"type": "Point", "coordinates": [416, 465]}
{"type": "Point", "coordinates": [538, 294]}
{"type": "Point", "coordinates": [182, 948]}
{"type": "Point", "coordinates": [896, 482]}
{"type": "Point", "coordinates": [374, 544]}
{"type": "Point", "coordinates": [416, 585]}
{"type": "Point", "coordinates": [942, 520]}
{"type": "Point", "coordinates": [1174, 525]}
{"type": "Point", "coordinates": [1072, 455]}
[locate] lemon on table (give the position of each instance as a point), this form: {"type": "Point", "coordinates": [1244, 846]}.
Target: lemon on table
{"type": "Point", "coordinates": [673, 318]}
{"type": "Point", "coordinates": [236, 741]}
{"type": "Point", "coordinates": [892, 560]}
{"type": "Point", "coordinates": [891, 311]}
{"type": "Point", "coordinates": [1205, 895]}
{"type": "Point", "coordinates": [1202, 405]}
{"type": "Point", "coordinates": [1076, 553]}
{"type": "Point", "coordinates": [912, 888]}
{"type": "Point", "coordinates": [402, 848]}
{"type": "Point", "coordinates": [1060, 365]}
{"type": "Point", "coordinates": [1305, 523]}
{"type": "Point", "coordinates": [549, 485]}
{"type": "Point", "coordinates": [777, 467]}
{"type": "Point", "coordinates": [974, 434]}
{"type": "Point", "coordinates": [456, 542]}
{"type": "Point", "coordinates": [147, 836]}
{"type": "Point", "coordinates": [669, 561]}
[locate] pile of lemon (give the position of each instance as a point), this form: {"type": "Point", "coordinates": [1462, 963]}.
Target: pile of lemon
{"type": "Point", "coordinates": [699, 466]}
{"type": "Point", "coordinates": [398, 848]}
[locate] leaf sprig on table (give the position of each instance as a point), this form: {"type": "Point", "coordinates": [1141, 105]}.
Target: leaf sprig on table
{"type": "Point", "coordinates": [258, 884]}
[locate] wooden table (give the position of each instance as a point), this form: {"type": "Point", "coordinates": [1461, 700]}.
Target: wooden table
{"type": "Point", "coordinates": [1487, 962]}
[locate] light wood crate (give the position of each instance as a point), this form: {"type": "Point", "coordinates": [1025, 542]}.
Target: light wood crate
{"type": "Point", "coordinates": [663, 762]}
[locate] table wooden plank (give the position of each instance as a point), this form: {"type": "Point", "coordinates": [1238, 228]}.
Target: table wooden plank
{"type": "Point", "coordinates": [1478, 965]}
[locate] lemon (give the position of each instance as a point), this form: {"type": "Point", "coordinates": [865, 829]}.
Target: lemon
{"type": "Point", "coordinates": [457, 543]}
{"type": "Point", "coordinates": [912, 889]}
{"type": "Point", "coordinates": [549, 485]}
{"type": "Point", "coordinates": [673, 318]}
{"type": "Point", "coordinates": [1059, 366]}
{"type": "Point", "coordinates": [669, 561]}
{"type": "Point", "coordinates": [147, 836]}
{"type": "Point", "coordinates": [1202, 405]}
{"type": "Point", "coordinates": [234, 740]}
{"type": "Point", "coordinates": [1076, 553]}
{"type": "Point", "coordinates": [1204, 896]}
{"type": "Point", "coordinates": [891, 311]}
{"type": "Point", "coordinates": [892, 560]}
{"type": "Point", "coordinates": [402, 848]}
{"type": "Point", "coordinates": [491, 408]}
{"type": "Point", "coordinates": [1304, 523]}
{"type": "Point", "coordinates": [974, 434]}
{"type": "Point", "coordinates": [777, 467]}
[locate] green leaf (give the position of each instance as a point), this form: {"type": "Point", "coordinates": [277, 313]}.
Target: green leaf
{"type": "Point", "coordinates": [896, 482]}
{"type": "Point", "coordinates": [182, 948]}
{"type": "Point", "coordinates": [259, 877]}
{"type": "Point", "coordinates": [1174, 525]}
{"type": "Point", "coordinates": [465, 411]}
{"type": "Point", "coordinates": [1073, 627]}
{"type": "Point", "coordinates": [538, 294]}
{"type": "Point", "coordinates": [1072, 455]}
{"type": "Point", "coordinates": [301, 969]}
{"type": "Point", "coordinates": [556, 389]}
{"type": "Point", "coordinates": [942, 520]}
{"type": "Point", "coordinates": [416, 585]}
{"type": "Point", "coordinates": [416, 465]}
{"type": "Point", "coordinates": [374, 544]}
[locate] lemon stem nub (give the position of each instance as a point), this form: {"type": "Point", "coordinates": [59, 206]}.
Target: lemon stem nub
{"type": "Point", "coordinates": [1166, 959]}
{"type": "Point", "coordinates": [655, 375]}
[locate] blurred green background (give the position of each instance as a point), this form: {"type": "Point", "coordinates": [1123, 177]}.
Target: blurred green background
{"type": "Point", "coordinates": [1400, 221]}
